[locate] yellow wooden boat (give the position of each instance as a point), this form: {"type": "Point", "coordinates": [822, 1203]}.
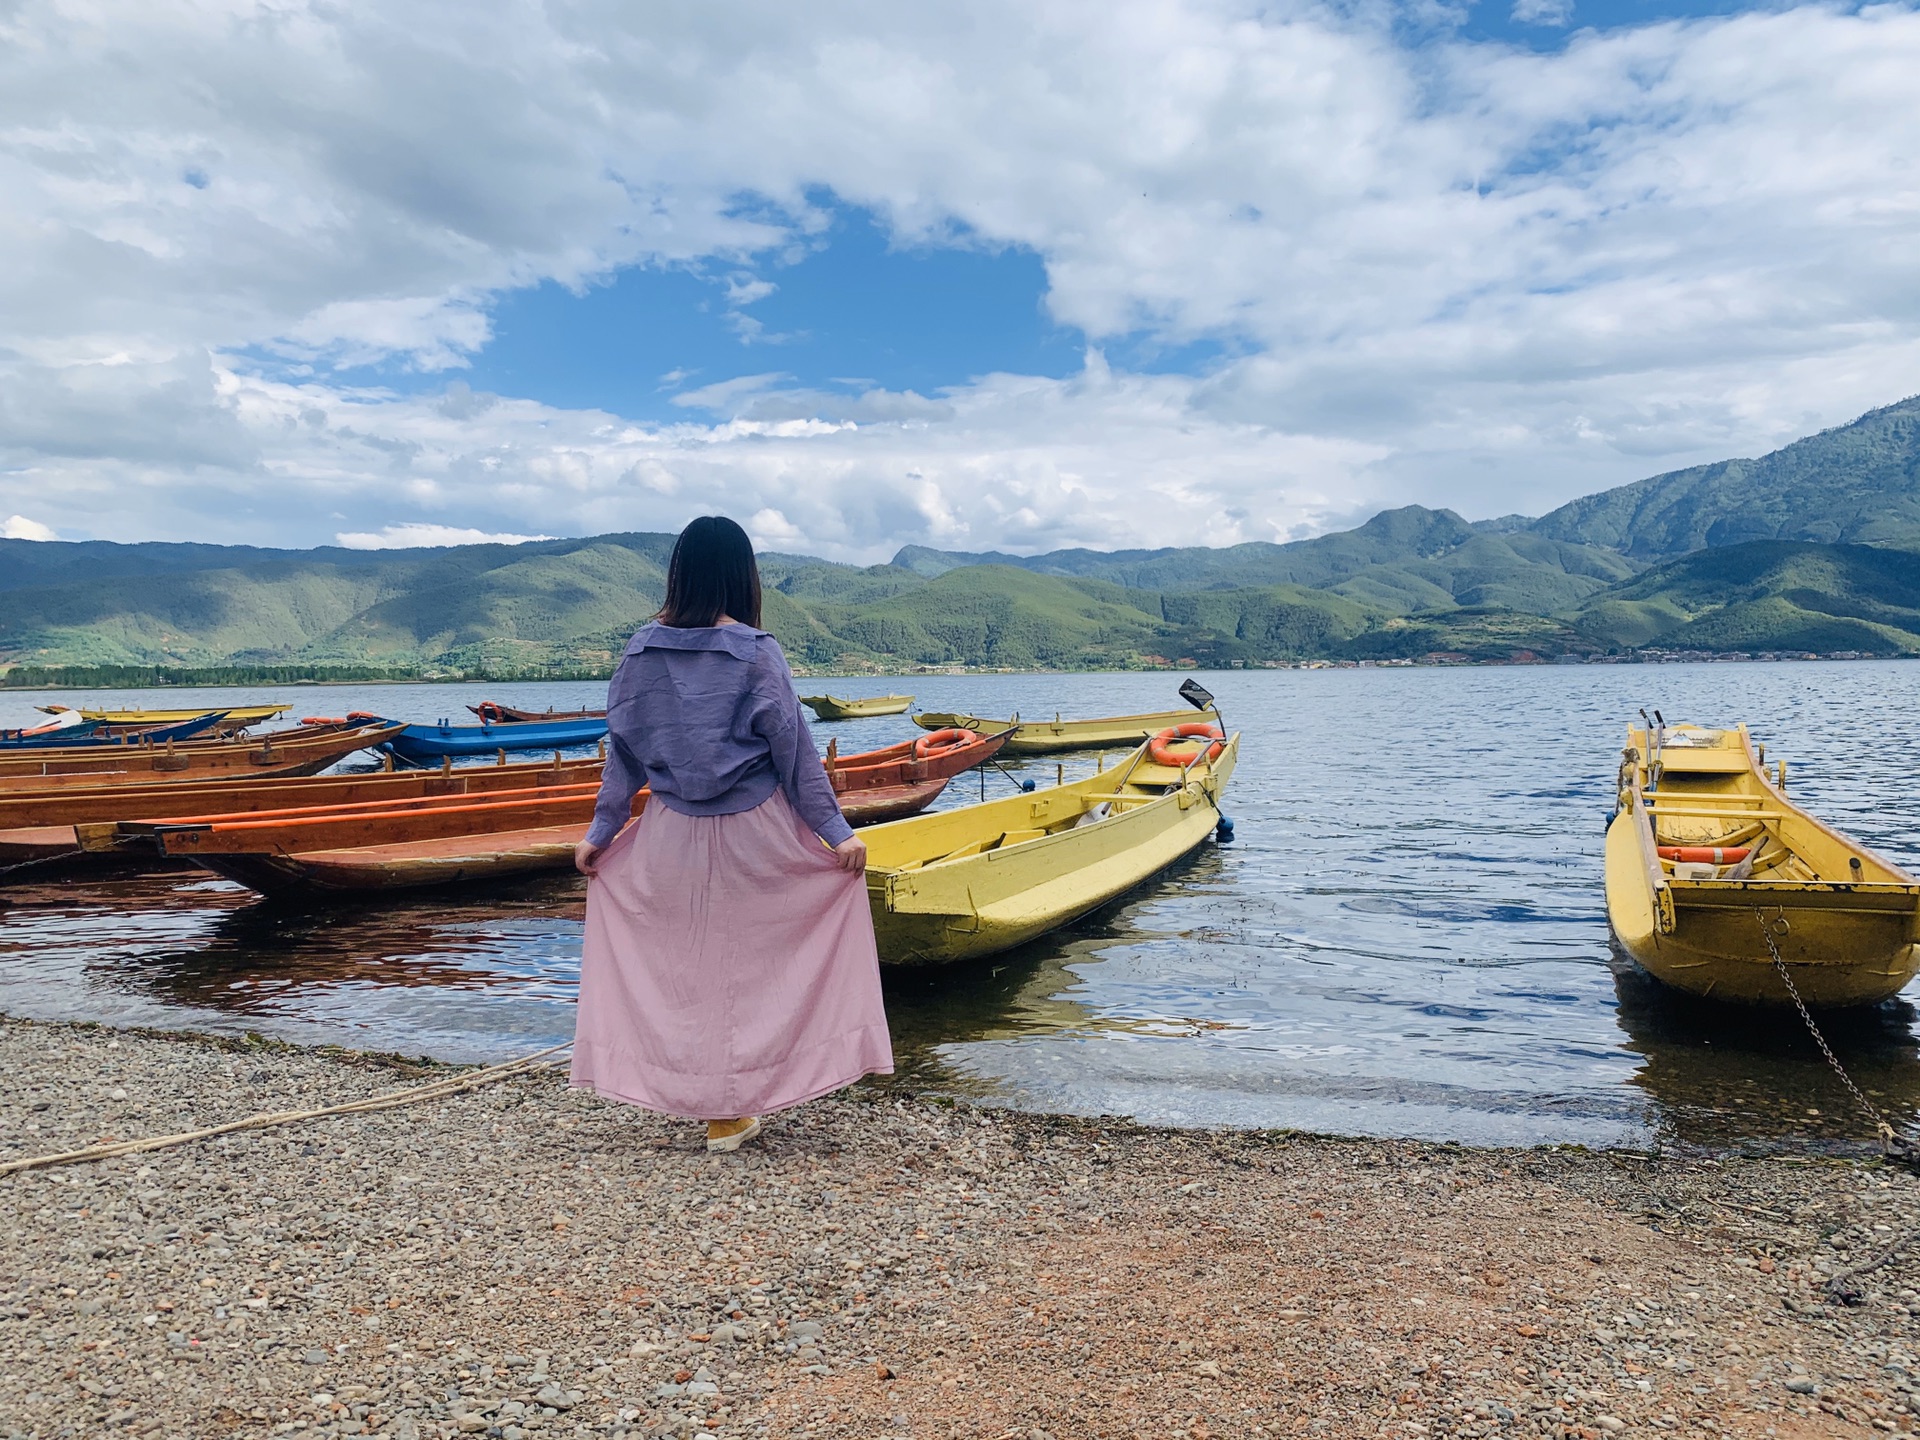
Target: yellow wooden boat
{"type": "Point", "coordinates": [830, 707]}
{"type": "Point", "coordinates": [1048, 737]}
{"type": "Point", "coordinates": [1707, 859]}
{"type": "Point", "coordinates": [974, 881]}
{"type": "Point", "coordinates": [236, 715]}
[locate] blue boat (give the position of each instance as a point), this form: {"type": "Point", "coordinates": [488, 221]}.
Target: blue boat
{"type": "Point", "coordinates": [85, 736]}
{"type": "Point", "coordinates": [430, 744]}
{"type": "Point", "coordinates": [48, 735]}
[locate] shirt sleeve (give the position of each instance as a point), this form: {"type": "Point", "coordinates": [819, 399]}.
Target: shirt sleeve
{"type": "Point", "coordinates": [620, 778]}
{"type": "Point", "coordinates": [795, 760]}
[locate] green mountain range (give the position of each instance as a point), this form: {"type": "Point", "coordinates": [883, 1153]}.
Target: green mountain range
{"type": "Point", "coordinates": [1815, 547]}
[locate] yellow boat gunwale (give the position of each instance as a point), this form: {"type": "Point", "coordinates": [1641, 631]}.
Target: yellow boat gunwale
{"type": "Point", "coordinates": [938, 897]}
{"type": "Point", "coordinates": [1844, 941]}
{"type": "Point", "coordinates": [169, 717]}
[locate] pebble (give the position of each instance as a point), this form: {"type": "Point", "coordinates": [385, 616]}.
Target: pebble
{"type": "Point", "coordinates": [533, 1258]}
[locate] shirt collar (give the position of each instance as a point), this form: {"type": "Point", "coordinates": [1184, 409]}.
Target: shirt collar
{"type": "Point", "coordinates": [739, 641]}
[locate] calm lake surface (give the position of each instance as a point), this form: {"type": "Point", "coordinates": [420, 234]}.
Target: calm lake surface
{"type": "Point", "coordinates": [1406, 937]}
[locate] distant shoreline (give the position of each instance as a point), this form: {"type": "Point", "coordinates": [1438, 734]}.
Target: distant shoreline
{"type": "Point", "coordinates": [187, 679]}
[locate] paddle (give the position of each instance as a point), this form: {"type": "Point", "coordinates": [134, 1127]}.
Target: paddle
{"type": "Point", "coordinates": [1201, 698]}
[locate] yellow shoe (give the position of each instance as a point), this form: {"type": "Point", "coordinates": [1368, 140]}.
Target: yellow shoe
{"type": "Point", "coordinates": [731, 1134]}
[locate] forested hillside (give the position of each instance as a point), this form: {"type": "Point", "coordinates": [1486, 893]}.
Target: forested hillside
{"type": "Point", "coordinates": [1807, 549]}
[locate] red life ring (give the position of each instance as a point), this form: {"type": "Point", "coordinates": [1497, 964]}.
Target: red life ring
{"type": "Point", "coordinates": [1704, 854]}
{"type": "Point", "coordinates": [942, 742]}
{"type": "Point", "coordinates": [490, 713]}
{"type": "Point", "coordinates": [1160, 748]}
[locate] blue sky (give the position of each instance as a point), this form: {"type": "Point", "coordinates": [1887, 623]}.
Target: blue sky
{"type": "Point", "coordinates": [1113, 274]}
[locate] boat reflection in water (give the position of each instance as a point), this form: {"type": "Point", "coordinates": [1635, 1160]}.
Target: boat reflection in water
{"type": "Point", "coordinates": [1743, 1077]}
{"type": "Point", "coordinates": [490, 977]}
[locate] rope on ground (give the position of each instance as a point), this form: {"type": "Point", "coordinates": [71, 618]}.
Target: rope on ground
{"type": "Point", "coordinates": [432, 1090]}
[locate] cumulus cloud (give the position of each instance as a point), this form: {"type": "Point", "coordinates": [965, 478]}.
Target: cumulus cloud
{"type": "Point", "coordinates": [19, 527]}
{"type": "Point", "coordinates": [1467, 274]}
{"type": "Point", "coordinates": [1542, 12]}
{"type": "Point", "coordinates": [414, 535]}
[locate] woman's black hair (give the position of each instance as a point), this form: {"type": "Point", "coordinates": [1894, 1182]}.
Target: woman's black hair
{"type": "Point", "coordinates": [712, 573]}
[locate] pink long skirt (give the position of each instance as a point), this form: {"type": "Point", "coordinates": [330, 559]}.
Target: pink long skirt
{"type": "Point", "coordinates": [729, 968]}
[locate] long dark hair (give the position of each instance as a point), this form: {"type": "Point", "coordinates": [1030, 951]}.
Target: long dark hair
{"type": "Point", "coordinates": [712, 573]}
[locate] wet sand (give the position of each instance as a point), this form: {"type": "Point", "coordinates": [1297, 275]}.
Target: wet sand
{"type": "Point", "coordinates": [521, 1261]}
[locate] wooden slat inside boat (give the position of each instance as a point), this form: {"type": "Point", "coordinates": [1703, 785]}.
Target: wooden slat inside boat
{"type": "Point", "coordinates": [1707, 857]}
{"type": "Point", "coordinates": [1057, 736]}
{"type": "Point", "coordinates": [984, 878]}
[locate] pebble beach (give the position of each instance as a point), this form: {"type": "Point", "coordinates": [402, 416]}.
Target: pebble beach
{"type": "Point", "coordinates": [524, 1261]}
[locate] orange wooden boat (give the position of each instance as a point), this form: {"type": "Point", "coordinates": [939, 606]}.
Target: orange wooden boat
{"type": "Point", "coordinates": [439, 838]}
{"type": "Point", "coordinates": [304, 751]}
{"type": "Point", "coordinates": [494, 713]}
{"type": "Point", "coordinates": [106, 820]}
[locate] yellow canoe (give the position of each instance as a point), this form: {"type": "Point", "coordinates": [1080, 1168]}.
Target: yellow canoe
{"type": "Point", "coordinates": [965, 883]}
{"type": "Point", "coordinates": [1707, 858]}
{"type": "Point", "coordinates": [828, 707]}
{"type": "Point", "coordinates": [1046, 737]}
{"type": "Point", "coordinates": [236, 714]}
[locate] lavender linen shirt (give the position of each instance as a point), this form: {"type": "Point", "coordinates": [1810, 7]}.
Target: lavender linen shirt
{"type": "Point", "coordinates": [708, 718]}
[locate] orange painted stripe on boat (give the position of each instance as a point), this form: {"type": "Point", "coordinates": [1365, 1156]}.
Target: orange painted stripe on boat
{"type": "Point", "coordinates": [404, 805]}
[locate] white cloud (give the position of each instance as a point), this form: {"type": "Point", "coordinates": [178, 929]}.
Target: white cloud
{"type": "Point", "coordinates": [1472, 275]}
{"type": "Point", "coordinates": [1543, 12]}
{"type": "Point", "coordinates": [415, 535]}
{"type": "Point", "coordinates": [19, 527]}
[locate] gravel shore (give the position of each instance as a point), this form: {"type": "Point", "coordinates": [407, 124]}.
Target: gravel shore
{"type": "Point", "coordinates": [525, 1262]}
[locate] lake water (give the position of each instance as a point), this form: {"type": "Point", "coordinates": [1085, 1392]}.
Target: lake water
{"type": "Point", "coordinates": [1406, 937]}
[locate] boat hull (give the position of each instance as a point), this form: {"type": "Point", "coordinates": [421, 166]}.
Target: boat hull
{"type": "Point", "coordinates": [1707, 860]}
{"type": "Point", "coordinates": [306, 754]}
{"type": "Point", "coordinates": [1059, 737]}
{"type": "Point", "coordinates": [235, 715]}
{"type": "Point", "coordinates": [827, 707]}
{"type": "Point", "coordinates": [412, 865]}
{"type": "Point", "coordinates": [430, 744]}
{"type": "Point", "coordinates": [955, 910]}
{"type": "Point", "coordinates": [1840, 948]}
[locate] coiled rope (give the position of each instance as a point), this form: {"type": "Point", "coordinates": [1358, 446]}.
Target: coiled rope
{"type": "Point", "coordinates": [432, 1090]}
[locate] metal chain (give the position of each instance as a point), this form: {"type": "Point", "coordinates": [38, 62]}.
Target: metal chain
{"type": "Point", "coordinates": [1892, 1143]}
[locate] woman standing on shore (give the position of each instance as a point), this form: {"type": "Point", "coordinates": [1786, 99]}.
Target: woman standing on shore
{"type": "Point", "coordinates": [729, 968]}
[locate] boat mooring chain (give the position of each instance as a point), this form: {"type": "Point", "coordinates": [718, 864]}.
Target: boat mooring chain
{"type": "Point", "coordinates": [1893, 1145]}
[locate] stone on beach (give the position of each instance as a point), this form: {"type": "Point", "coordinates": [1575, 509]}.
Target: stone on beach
{"type": "Point", "coordinates": [883, 1266]}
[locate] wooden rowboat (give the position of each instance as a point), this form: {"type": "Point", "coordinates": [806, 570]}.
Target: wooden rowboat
{"type": "Point", "coordinates": [829, 707]}
{"type": "Point", "coordinates": [437, 839]}
{"type": "Point", "coordinates": [1707, 860]}
{"type": "Point", "coordinates": [235, 714]}
{"type": "Point", "coordinates": [1055, 736]}
{"type": "Point", "coordinates": [494, 713]}
{"type": "Point", "coordinates": [115, 821]}
{"type": "Point", "coordinates": [289, 752]}
{"type": "Point", "coordinates": [982, 879]}
{"type": "Point", "coordinates": [429, 744]}
{"type": "Point", "coordinates": [90, 735]}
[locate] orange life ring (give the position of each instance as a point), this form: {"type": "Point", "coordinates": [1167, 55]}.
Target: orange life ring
{"type": "Point", "coordinates": [1705, 854]}
{"type": "Point", "coordinates": [942, 742]}
{"type": "Point", "coordinates": [490, 713]}
{"type": "Point", "coordinates": [1160, 748]}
